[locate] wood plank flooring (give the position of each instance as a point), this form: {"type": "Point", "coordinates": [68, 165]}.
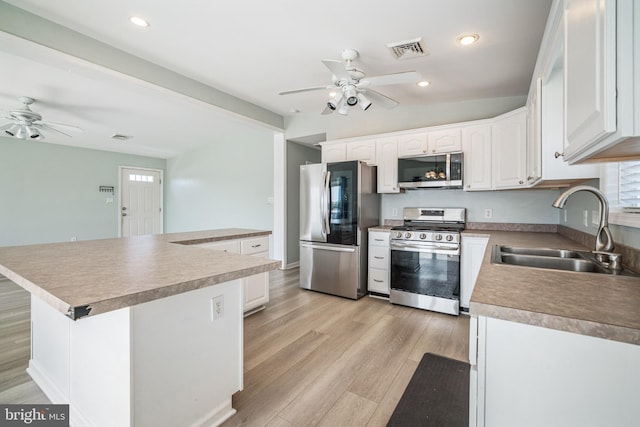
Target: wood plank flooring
{"type": "Point", "coordinates": [310, 359]}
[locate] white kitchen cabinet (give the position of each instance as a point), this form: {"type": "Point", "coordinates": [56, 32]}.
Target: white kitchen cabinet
{"type": "Point", "coordinates": [476, 146]}
{"type": "Point", "coordinates": [431, 142]}
{"type": "Point", "coordinates": [590, 73]}
{"type": "Point", "coordinates": [508, 149]}
{"type": "Point", "coordinates": [444, 141]}
{"type": "Point", "coordinates": [256, 287]}
{"type": "Point", "coordinates": [533, 376]}
{"type": "Point", "coordinates": [534, 138]}
{"type": "Point", "coordinates": [602, 114]}
{"type": "Point", "coordinates": [471, 255]}
{"type": "Point", "coordinates": [362, 150]}
{"type": "Point", "coordinates": [379, 262]}
{"type": "Point", "coordinates": [414, 144]}
{"type": "Point", "coordinates": [387, 161]}
{"type": "Point", "coordinates": [334, 152]}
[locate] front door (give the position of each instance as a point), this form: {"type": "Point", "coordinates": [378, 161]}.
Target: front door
{"type": "Point", "coordinates": [140, 202]}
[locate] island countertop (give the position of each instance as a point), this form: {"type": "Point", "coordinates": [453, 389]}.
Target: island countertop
{"type": "Point", "coordinates": [96, 276]}
{"type": "Point", "coordinates": [600, 305]}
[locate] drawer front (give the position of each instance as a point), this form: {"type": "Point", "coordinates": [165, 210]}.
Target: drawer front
{"type": "Point", "coordinates": [224, 245]}
{"type": "Point", "coordinates": [378, 281]}
{"type": "Point", "coordinates": [252, 246]}
{"type": "Point", "coordinates": [379, 238]}
{"type": "Point", "coordinates": [379, 257]}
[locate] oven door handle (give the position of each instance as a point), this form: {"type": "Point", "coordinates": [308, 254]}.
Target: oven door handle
{"type": "Point", "coordinates": [436, 248]}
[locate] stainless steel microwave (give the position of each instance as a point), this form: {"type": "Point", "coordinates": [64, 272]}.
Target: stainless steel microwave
{"type": "Point", "coordinates": [432, 171]}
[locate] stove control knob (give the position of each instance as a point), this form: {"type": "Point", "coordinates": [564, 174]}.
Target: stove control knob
{"type": "Point", "coordinates": [398, 234]}
{"type": "Point", "coordinates": [449, 238]}
{"type": "Point", "coordinates": [438, 237]}
{"type": "Point", "coordinates": [407, 235]}
{"type": "Point", "coordinates": [423, 236]}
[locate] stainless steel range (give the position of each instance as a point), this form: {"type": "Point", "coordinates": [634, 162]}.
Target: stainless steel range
{"type": "Point", "coordinates": [425, 259]}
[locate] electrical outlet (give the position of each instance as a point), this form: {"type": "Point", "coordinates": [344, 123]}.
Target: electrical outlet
{"type": "Point", "coordinates": [585, 218]}
{"type": "Point", "coordinates": [74, 239]}
{"type": "Point", "coordinates": [488, 213]}
{"type": "Point", "coordinates": [594, 218]}
{"type": "Point", "coordinates": [394, 212]}
{"type": "Point", "coordinates": [217, 307]}
{"type": "Point", "coordinates": [565, 215]}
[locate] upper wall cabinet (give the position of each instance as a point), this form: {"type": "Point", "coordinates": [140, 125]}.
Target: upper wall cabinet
{"type": "Point", "coordinates": [432, 142]}
{"type": "Point", "coordinates": [601, 65]}
{"type": "Point", "coordinates": [545, 165]}
{"type": "Point", "coordinates": [362, 150]}
{"type": "Point", "coordinates": [414, 144]}
{"type": "Point", "coordinates": [508, 150]}
{"type": "Point", "coordinates": [387, 157]}
{"type": "Point", "coordinates": [334, 152]}
{"type": "Point", "coordinates": [476, 145]}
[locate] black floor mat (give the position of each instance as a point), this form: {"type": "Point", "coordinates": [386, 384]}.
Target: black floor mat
{"type": "Point", "coordinates": [437, 395]}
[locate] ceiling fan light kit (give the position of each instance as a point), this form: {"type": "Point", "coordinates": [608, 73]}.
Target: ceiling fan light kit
{"type": "Point", "coordinates": [26, 124]}
{"type": "Point", "coordinates": [353, 87]}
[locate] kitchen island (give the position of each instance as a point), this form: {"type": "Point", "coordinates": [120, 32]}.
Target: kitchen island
{"type": "Point", "coordinates": [550, 347]}
{"type": "Point", "coordinates": [137, 331]}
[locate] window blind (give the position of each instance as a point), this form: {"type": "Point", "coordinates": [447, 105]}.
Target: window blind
{"type": "Point", "coordinates": [629, 189]}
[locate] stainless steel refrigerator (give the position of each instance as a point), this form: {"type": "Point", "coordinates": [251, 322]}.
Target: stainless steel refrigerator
{"type": "Point", "coordinates": [338, 203]}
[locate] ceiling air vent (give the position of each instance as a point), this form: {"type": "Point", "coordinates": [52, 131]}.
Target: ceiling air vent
{"type": "Point", "coordinates": [121, 137]}
{"type": "Point", "coordinates": [409, 48]}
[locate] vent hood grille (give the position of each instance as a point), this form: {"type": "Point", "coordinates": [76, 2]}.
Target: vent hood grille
{"type": "Point", "coordinates": [408, 49]}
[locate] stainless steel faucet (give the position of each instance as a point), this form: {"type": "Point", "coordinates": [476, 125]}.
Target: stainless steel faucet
{"type": "Point", "coordinates": [604, 240]}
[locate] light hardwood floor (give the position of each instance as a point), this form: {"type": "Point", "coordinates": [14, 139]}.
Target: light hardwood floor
{"type": "Point", "coordinates": [310, 359]}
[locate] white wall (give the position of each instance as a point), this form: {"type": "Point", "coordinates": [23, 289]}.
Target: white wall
{"type": "Point", "coordinates": [49, 193]}
{"type": "Point", "coordinates": [223, 184]}
{"type": "Point", "coordinates": [511, 206]}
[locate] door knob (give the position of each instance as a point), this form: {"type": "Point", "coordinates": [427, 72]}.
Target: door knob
{"type": "Point", "coordinates": [124, 214]}
{"type": "Point", "coordinates": [124, 208]}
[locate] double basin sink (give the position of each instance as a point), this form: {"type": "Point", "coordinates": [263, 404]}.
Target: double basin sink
{"type": "Point", "coordinates": [556, 259]}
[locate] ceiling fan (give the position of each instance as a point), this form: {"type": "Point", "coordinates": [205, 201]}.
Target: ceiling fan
{"type": "Point", "coordinates": [27, 124]}
{"type": "Point", "coordinates": [354, 88]}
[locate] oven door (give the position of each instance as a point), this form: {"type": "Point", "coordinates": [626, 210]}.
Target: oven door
{"type": "Point", "coordinates": [426, 275]}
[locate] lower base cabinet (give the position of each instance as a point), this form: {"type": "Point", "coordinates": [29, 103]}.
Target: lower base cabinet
{"type": "Point", "coordinates": [256, 287]}
{"type": "Point", "coordinates": [524, 375]}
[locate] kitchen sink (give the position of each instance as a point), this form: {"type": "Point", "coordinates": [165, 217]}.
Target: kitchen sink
{"type": "Point", "coordinates": [553, 259]}
{"type": "Point", "coordinates": [568, 264]}
{"type": "Point", "coordinates": [555, 253]}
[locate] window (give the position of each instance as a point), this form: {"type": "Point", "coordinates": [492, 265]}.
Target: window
{"type": "Point", "coordinates": [140, 178]}
{"type": "Point", "coordinates": [629, 190]}
{"type": "Point", "coordinates": [621, 184]}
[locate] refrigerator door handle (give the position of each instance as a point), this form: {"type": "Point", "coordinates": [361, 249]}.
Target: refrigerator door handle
{"type": "Point", "coordinates": [326, 227]}
{"type": "Point", "coordinates": [327, 248]}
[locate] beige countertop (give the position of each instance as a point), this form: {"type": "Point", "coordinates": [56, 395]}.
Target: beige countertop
{"type": "Point", "coordinates": [599, 305]}
{"type": "Point", "coordinates": [110, 274]}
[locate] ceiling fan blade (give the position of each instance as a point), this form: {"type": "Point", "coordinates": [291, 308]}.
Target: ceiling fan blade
{"type": "Point", "coordinates": [44, 126]}
{"type": "Point", "coordinates": [306, 89]}
{"type": "Point", "coordinates": [337, 68]}
{"type": "Point", "coordinates": [391, 79]}
{"type": "Point", "coordinates": [378, 98]}
{"type": "Point", "coordinates": [62, 125]}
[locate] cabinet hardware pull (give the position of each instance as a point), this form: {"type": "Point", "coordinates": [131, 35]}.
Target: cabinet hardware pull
{"type": "Point", "coordinates": [558, 154]}
{"type": "Point", "coordinates": [378, 280]}
{"type": "Point", "coordinates": [378, 257]}
{"type": "Point", "coordinates": [255, 246]}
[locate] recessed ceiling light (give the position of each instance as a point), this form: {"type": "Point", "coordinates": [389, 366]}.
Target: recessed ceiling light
{"type": "Point", "coordinates": [136, 20]}
{"type": "Point", "coordinates": [333, 94]}
{"type": "Point", "coordinates": [467, 39]}
{"type": "Point", "coordinates": [423, 83]}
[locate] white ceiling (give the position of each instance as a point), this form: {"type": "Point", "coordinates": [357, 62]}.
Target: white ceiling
{"type": "Point", "coordinates": [253, 50]}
